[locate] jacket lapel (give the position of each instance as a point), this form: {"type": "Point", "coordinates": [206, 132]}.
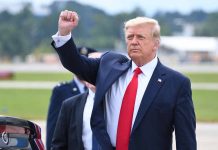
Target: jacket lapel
{"type": "Point", "coordinates": [109, 78]}
{"type": "Point", "coordinates": [154, 85]}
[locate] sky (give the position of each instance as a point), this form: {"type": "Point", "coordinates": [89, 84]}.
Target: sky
{"type": "Point", "coordinates": [116, 6]}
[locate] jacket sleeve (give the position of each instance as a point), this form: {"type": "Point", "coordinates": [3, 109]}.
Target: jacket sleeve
{"type": "Point", "coordinates": [53, 111]}
{"type": "Point", "coordinates": [185, 121]}
{"type": "Point", "coordinates": [60, 138]}
{"type": "Point", "coordinates": [82, 66]}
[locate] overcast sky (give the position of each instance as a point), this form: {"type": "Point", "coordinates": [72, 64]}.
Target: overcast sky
{"type": "Point", "coordinates": [148, 6]}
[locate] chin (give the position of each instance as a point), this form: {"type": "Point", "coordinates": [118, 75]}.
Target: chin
{"type": "Point", "coordinates": [133, 56]}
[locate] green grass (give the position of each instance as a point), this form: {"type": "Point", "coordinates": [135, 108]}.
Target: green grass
{"type": "Point", "coordinates": [24, 103]}
{"type": "Point", "coordinates": [33, 104]}
{"type": "Point", "coordinates": [42, 76]}
{"type": "Point", "coordinates": [206, 105]}
{"type": "Point", "coordinates": [203, 77]}
{"type": "Point", "coordinates": [195, 77]}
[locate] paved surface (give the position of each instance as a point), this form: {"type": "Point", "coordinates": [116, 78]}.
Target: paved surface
{"type": "Point", "coordinates": [50, 85]}
{"type": "Point", "coordinates": [27, 84]}
{"type": "Point", "coordinates": [207, 135]}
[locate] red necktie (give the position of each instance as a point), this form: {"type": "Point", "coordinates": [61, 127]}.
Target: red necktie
{"type": "Point", "coordinates": [126, 113]}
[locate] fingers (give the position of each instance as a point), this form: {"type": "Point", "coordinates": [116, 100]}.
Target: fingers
{"type": "Point", "coordinates": [69, 16]}
{"type": "Point", "coordinates": [68, 20]}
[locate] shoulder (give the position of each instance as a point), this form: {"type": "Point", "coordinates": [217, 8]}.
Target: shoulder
{"type": "Point", "coordinates": [62, 85]}
{"type": "Point", "coordinates": [174, 74]}
{"type": "Point", "coordinates": [114, 56]}
{"type": "Point", "coordinates": [74, 99]}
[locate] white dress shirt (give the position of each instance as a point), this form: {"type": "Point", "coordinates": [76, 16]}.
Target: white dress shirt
{"type": "Point", "coordinates": [114, 95]}
{"type": "Point", "coordinates": [87, 131]}
{"type": "Point", "coordinates": [60, 40]}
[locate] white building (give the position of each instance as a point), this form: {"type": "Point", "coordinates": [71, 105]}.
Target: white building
{"type": "Point", "coordinates": [189, 49]}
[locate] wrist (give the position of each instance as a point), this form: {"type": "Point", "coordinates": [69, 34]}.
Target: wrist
{"type": "Point", "coordinates": [63, 32]}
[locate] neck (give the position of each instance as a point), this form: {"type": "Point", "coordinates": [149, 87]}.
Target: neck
{"type": "Point", "coordinates": [143, 62]}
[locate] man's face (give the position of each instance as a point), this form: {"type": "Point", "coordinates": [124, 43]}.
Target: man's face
{"type": "Point", "coordinates": [141, 46]}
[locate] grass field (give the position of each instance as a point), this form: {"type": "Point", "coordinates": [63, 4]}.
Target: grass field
{"type": "Point", "coordinates": [195, 77]}
{"type": "Point", "coordinates": [28, 104]}
{"type": "Point", "coordinates": [203, 77]}
{"type": "Point", "coordinates": [42, 76]}
{"type": "Point", "coordinates": [33, 104]}
{"type": "Point", "coordinates": [206, 105]}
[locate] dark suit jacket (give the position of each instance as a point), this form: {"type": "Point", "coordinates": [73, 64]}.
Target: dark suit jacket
{"type": "Point", "coordinates": [166, 105]}
{"type": "Point", "coordinates": [59, 93]}
{"type": "Point", "coordinates": [68, 131]}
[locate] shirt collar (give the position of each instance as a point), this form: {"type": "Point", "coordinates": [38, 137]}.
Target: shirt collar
{"type": "Point", "coordinates": [148, 68]}
{"type": "Point", "coordinates": [79, 84]}
{"type": "Point", "coordinates": [91, 94]}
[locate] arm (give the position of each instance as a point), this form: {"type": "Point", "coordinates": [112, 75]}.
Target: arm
{"type": "Point", "coordinates": [53, 111]}
{"type": "Point", "coordinates": [60, 138]}
{"type": "Point", "coordinates": [185, 122]}
{"type": "Point", "coordinates": [68, 53]}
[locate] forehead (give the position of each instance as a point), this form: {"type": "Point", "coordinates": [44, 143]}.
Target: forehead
{"type": "Point", "coordinates": [144, 29]}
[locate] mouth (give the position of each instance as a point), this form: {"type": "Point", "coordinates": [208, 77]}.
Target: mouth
{"type": "Point", "coordinates": [134, 50]}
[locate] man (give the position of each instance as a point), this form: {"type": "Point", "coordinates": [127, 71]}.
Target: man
{"type": "Point", "coordinates": [73, 129]}
{"type": "Point", "coordinates": [60, 93]}
{"type": "Point", "coordinates": [162, 101]}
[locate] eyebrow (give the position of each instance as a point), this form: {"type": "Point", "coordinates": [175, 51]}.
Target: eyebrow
{"type": "Point", "coordinates": [137, 35]}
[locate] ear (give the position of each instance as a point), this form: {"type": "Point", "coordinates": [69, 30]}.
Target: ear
{"type": "Point", "coordinates": [156, 44]}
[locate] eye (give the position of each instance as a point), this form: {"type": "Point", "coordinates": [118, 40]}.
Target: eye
{"type": "Point", "coordinates": [141, 37]}
{"type": "Point", "coordinates": [130, 37]}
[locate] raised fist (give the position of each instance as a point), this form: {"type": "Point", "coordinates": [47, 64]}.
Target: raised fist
{"type": "Point", "coordinates": [68, 20]}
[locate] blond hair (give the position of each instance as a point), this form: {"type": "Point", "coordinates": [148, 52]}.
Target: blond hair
{"type": "Point", "coordinates": [144, 20]}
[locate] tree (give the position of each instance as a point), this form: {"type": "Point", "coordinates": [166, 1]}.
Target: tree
{"type": "Point", "coordinates": [209, 27]}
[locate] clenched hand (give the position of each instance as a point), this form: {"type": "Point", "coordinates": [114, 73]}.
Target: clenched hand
{"type": "Point", "coordinates": [68, 20]}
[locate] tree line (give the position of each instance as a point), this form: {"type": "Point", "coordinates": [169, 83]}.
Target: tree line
{"type": "Point", "coordinates": [26, 33]}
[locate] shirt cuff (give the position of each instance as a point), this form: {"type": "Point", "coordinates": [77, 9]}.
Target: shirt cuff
{"type": "Point", "coordinates": [60, 40]}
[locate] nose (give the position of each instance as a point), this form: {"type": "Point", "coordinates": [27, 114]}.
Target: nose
{"type": "Point", "coordinates": [134, 40]}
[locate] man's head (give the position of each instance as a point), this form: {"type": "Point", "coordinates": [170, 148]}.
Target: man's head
{"type": "Point", "coordinates": [93, 55]}
{"type": "Point", "coordinates": [142, 37]}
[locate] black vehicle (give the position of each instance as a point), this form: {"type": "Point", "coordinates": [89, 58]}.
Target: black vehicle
{"type": "Point", "coordinates": [19, 134]}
